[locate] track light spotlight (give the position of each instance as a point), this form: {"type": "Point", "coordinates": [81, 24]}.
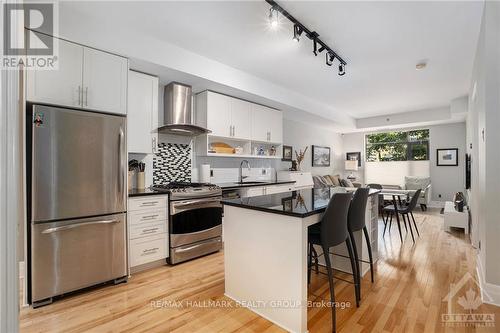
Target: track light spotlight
{"type": "Point", "coordinates": [273, 18]}
{"type": "Point", "coordinates": [315, 47]}
{"type": "Point", "coordinates": [329, 59]}
{"type": "Point", "coordinates": [341, 69]}
{"type": "Point", "coordinates": [297, 31]}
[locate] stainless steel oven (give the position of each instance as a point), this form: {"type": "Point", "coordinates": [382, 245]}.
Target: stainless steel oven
{"type": "Point", "coordinates": [195, 228]}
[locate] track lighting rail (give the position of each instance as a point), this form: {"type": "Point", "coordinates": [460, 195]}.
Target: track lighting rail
{"type": "Point", "coordinates": [299, 28]}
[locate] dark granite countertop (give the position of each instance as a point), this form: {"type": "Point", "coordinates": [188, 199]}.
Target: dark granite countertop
{"type": "Point", "coordinates": [300, 203]}
{"type": "Point", "coordinates": [234, 186]}
{"type": "Point", "coordinates": [135, 192]}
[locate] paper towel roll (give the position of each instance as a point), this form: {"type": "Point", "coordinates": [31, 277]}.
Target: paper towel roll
{"type": "Point", "coordinates": [205, 173]}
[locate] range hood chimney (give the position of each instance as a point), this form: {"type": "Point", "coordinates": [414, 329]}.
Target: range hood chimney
{"type": "Point", "coordinates": [177, 113]}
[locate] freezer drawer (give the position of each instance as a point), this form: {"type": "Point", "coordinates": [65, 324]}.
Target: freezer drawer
{"type": "Point", "coordinates": [74, 254]}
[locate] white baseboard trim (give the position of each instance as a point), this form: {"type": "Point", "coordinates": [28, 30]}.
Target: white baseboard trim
{"type": "Point", "coordinates": [490, 293]}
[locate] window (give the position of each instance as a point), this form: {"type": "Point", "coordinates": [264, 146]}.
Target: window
{"type": "Point", "coordinates": [398, 146]}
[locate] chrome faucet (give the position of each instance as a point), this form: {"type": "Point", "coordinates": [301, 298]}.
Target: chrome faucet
{"type": "Point", "coordinates": [241, 170]}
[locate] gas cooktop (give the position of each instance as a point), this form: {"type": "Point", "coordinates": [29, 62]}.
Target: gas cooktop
{"type": "Point", "coordinates": [185, 190]}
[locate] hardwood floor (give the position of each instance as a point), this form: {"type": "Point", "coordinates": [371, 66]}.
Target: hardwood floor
{"type": "Point", "coordinates": [407, 296]}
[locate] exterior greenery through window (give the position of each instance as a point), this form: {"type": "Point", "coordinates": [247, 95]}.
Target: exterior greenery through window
{"type": "Point", "coordinates": [398, 146]}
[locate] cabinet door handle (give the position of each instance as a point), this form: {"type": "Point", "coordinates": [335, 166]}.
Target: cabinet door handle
{"type": "Point", "coordinates": [234, 131]}
{"type": "Point", "coordinates": [79, 95]}
{"type": "Point", "coordinates": [86, 96]}
{"type": "Point", "coordinates": [149, 203]}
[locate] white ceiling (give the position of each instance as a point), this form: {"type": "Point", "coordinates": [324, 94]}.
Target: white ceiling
{"type": "Point", "coordinates": [381, 41]}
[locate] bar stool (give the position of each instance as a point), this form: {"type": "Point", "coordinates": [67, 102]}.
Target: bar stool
{"type": "Point", "coordinates": [356, 222]}
{"type": "Point", "coordinates": [332, 231]}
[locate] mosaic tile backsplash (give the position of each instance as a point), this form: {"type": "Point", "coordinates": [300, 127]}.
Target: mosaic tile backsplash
{"type": "Point", "coordinates": [172, 162]}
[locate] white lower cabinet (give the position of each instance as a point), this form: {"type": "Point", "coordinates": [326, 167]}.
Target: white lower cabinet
{"type": "Point", "coordinates": [254, 191]}
{"type": "Point", "coordinates": [147, 229]}
{"type": "Point", "coordinates": [147, 249]}
{"type": "Point", "coordinates": [266, 190]}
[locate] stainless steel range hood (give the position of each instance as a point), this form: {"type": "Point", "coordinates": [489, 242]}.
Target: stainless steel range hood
{"type": "Point", "coordinates": [178, 112]}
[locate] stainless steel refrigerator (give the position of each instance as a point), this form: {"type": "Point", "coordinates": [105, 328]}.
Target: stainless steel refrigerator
{"type": "Point", "coordinates": [77, 183]}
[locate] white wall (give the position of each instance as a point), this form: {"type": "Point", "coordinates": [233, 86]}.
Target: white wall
{"type": "Point", "coordinates": [446, 181]}
{"type": "Point", "coordinates": [300, 135]}
{"type": "Point", "coordinates": [393, 173]}
{"type": "Point", "coordinates": [483, 136]}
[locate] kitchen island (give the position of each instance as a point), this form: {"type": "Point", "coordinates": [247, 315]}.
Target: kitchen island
{"type": "Point", "coordinates": [265, 251]}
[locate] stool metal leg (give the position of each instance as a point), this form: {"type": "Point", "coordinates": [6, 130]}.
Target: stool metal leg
{"type": "Point", "coordinates": [353, 267]}
{"type": "Point", "coordinates": [316, 260]}
{"type": "Point", "coordinates": [330, 282]}
{"type": "Point", "coordinates": [369, 246]}
{"type": "Point", "coordinates": [355, 273]}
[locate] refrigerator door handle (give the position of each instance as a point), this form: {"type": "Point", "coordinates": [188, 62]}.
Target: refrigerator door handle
{"type": "Point", "coordinates": [76, 225]}
{"type": "Point", "coordinates": [120, 162]}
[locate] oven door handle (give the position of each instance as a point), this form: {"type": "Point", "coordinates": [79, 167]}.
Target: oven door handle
{"type": "Point", "coordinates": [183, 206]}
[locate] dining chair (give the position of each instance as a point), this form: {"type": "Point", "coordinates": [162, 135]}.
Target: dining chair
{"type": "Point", "coordinates": [406, 210]}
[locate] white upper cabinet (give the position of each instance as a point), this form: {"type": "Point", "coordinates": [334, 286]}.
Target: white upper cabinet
{"type": "Point", "coordinates": [86, 78]}
{"type": "Point", "coordinates": [142, 112]}
{"type": "Point", "coordinates": [218, 113]}
{"type": "Point", "coordinates": [240, 118]}
{"type": "Point", "coordinates": [247, 127]}
{"type": "Point", "coordinates": [104, 81]}
{"type": "Point", "coordinates": [275, 126]}
{"type": "Point", "coordinates": [62, 86]}
{"type": "Point", "coordinates": [260, 129]}
{"type": "Point", "coordinates": [267, 124]}
{"type": "Point", "coordinates": [229, 117]}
